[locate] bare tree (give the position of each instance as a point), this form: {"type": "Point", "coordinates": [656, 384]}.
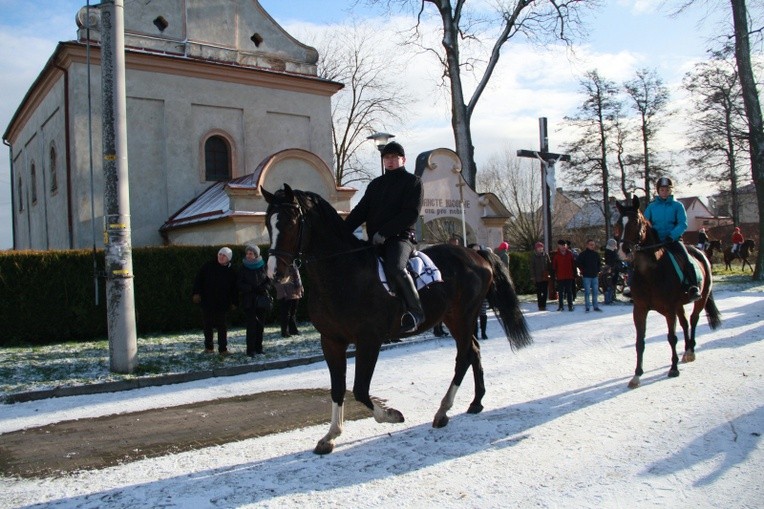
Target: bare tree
{"type": "Point", "coordinates": [717, 125]}
{"type": "Point", "coordinates": [594, 121]}
{"type": "Point", "coordinates": [753, 112]}
{"type": "Point", "coordinates": [649, 98]}
{"type": "Point", "coordinates": [486, 28]}
{"type": "Point", "coordinates": [518, 185]}
{"type": "Point", "coordinates": [369, 101]}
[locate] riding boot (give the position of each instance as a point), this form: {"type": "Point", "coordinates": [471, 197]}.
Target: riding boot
{"type": "Point", "coordinates": [693, 293]}
{"type": "Point", "coordinates": [414, 315]}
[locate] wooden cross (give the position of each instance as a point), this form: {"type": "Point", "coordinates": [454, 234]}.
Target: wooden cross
{"type": "Point", "coordinates": [548, 161]}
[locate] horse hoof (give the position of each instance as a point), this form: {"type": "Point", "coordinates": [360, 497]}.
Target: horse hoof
{"type": "Point", "coordinates": [475, 408]}
{"type": "Point", "coordinates": [673, 373]}
{"type": "Point", "coordinates": [323, 447]}
{"type": "Point", "coordinates": [394, 415]}
{"type": "Point", "coordinates": [634, 383]}
{"type": "Point", "coordinates": [688, 357]}
{"type": "Point", "coordinates": [440, 422]}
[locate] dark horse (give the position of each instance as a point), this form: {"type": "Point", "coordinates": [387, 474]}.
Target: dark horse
{"type": "Point", "coordinates": [713, 245]}
{"type": "Point", "coordinates": [743, 253]}
{"type": "Point", "coordinates": [348, 304]}
{"type": "Point", "coordinates": [656, 286]}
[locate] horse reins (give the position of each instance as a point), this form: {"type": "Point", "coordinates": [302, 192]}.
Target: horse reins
{"type": "Point", "coordinates": [298, 258]}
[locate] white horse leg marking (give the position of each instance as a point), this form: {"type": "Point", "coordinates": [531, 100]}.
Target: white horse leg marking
{"type": "Point", "coordinates": [271, 267]}
{"type": "Point", "coordinates": [326, 444]}
{"type": "Point", "coordinates": [441, 416]}
{"type": "Point", "coordinates": [382, 413]}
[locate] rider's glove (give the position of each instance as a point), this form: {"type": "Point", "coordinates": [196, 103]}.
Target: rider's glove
{"type": "Point", "coordinates": [668, 240]}
{"type": "Point", "coordinates": [378, 239]}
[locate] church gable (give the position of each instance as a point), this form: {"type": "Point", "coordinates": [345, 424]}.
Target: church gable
{"type": "Point", "coordinates": [238, 32]}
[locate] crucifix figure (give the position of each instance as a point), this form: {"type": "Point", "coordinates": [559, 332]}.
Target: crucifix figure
{"type": "Point", "coordinates": [548, 182]}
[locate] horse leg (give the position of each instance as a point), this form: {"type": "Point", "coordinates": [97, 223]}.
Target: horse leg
{"type": "Point", "coordinates": [464, 339]}
{"type": "Point", "coordinates": [335, 354]}
{"type": "Point", "coordinates": [689, 336]}
{"type": "Point", "coordinates": [477, 372]}
{"type": "Point", "coordinates": [639, 315]}
{"type": "Point", "coordinates": [365, 362]}
{"type": "Point", "coordinates": [672, 339]}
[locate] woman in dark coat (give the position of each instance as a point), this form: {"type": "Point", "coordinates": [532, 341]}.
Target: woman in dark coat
{"type": "Point", "coordinates": [288, 295]}
{"type": "Point", "coordinates": [215, 290]}
{"type": "Point", "coordinates": [253, 282]}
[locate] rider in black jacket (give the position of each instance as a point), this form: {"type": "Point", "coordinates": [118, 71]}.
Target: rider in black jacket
{"type": "Point", "coordinates": [390, 207]}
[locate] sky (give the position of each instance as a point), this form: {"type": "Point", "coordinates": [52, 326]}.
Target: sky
{"type": "Point", "coordinates": [560, 428]}
{"type": "Point", "coordinates": [623, 36]}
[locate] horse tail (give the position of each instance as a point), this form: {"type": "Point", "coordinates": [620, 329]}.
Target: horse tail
{"type": "Point", "coordinates": [712, 312]}
{"type": "Point", "coordinates": [502, 298]}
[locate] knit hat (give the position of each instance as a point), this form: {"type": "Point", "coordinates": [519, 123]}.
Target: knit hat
{"type": "Point", "coordinates": [538, 245]}
{"type": "Point", "coordinates": [253, 248]}
{"type": "Point", "coordinates": [612, 244]}
{"type": "Point", "coordinates": [393, 148]}
{"type": "Point", "coordinates": [227, 252]}
{"type": "Point", "coordinates": [503, 246]}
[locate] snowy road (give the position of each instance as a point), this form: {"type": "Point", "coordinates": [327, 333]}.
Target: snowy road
{"type": "Point", "coordinates": [560, 429]}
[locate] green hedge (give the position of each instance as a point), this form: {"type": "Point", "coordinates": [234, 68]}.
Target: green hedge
{"type": "Point", "coordinates": [49, 296]}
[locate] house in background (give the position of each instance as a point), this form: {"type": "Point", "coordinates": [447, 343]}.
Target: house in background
{"type": "Point", "coordinates": [220, 100]}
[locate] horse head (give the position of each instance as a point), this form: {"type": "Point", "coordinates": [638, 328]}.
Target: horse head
{"type": "Point", "coordinates": [284, 219]}
{"type": "Point", "coordinates": [631, 228]}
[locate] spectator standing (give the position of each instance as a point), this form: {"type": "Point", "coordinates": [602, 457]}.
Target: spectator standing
{"type": "Point", "coordinates": [589, 262]}
{"type": "Point", "coordinates": [540, 268]}
{"type": "Point", "coordinates": [289, 295]}
{"type": "Point", "coordinates": [564, 267]}
{"type": "Point", "coordinates": [503, 252]}
{"type": "Point", "coordinates": [215, 289]}
{"type": "Point", "coordinates": [612, 268]}
{"type": "Point", "coordinates": [254, 284]}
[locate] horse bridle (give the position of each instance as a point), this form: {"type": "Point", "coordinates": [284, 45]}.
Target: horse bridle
{"type": "Point", "coordinates": [638, 246]}
{"type": "Point", "coordinates": [285, 256]}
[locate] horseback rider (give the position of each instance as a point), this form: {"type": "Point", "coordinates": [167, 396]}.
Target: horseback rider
{"type": "Point", "coordinates": [390, 207]}
{"type": "Point", "coordinates": [737, 240]}
{"type": "Point", "coordinates": [702, 239]}
{"type": "Point", "coordinates": [669, 218]}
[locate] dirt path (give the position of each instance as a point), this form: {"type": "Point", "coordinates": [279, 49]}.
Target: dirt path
{"type": "Point", "coordinates": [101, 442]}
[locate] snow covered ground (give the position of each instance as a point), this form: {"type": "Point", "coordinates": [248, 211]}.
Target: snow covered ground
{"type": "Point", "coordinates": [559, 429]}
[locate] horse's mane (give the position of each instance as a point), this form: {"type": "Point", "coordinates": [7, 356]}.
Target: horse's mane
{"type": "Point", "coordinates": [327, 214]}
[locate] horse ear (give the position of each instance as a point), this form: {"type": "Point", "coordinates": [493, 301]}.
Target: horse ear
{"type": "Point", "coordinates": [635, 201]}
{"type": "Point", "coordinates": [268, 196]}
{"type": "Point", "coordinates": [288, 193]}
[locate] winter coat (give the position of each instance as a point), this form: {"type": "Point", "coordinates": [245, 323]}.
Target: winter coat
{"type": "Point", "coordinates": [564, 266]}
{"type": "Point", "coordinates": [540, 267]}
{"type": "Point", "coordinates": [216, 284]}
{"type": "Point", "coordinates": [668, 217]}
{"type": "Point", "coordinates": [391, 205]}
{"type": "Point", "coordinates": [252, 282]}
{"type": "Point", "coordinates": [292, 289]}
{"type": "Point", "coordinates": [589, 262]}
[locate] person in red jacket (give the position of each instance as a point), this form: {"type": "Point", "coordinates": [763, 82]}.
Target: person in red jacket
{"type": "Point", "coordinates": [737, 240]}
{"type": "Point", "coordinates": [564, 268]}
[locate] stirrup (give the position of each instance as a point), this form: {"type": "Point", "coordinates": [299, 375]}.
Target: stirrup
{"type": "Point", "coordinates": [693, 293]}
{"type": "Point", "coordinates": [410, 322]}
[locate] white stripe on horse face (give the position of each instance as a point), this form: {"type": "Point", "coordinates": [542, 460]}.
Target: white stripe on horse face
{"type": "Point", "coordinates": [271, 267]}
{"type": "Point", "coordinates": [621, 254]}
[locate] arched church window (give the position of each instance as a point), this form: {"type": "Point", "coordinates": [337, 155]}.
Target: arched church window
{"type": "Point", "coordinates": [217, 159]}
{"type": "Point", "coordinates": [33, 183]}
{"type": "Point", "coordinates": [53, 170]}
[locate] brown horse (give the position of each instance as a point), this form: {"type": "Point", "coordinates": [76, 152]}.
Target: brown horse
{"type": "Point", "coordinates": [743, 253]}
{"type": "Point", "coordinates": [348, 304]}
{"type": "Point", "coordinates": [656, 286]}
{"type": "Point", "coordinates": [713, 245]}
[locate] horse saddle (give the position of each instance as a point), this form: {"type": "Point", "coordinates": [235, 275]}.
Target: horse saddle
{"type": "Point", "coordinates": [421, 267]}
{"type": "Point", "coordinates": [694, 263]}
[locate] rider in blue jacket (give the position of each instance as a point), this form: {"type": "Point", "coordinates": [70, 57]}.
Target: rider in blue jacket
{"type": "Point", "coordinates": [669, 219]}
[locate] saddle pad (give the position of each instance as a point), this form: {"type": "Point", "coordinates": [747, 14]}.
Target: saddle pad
{"type": "Point", "coordinates": [420, 266]}
{"type": "Point", "coordinates": [695, 266]}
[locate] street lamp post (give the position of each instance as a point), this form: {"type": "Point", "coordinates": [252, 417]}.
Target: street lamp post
{"type": "Point", "coordinates": [380, 140]}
